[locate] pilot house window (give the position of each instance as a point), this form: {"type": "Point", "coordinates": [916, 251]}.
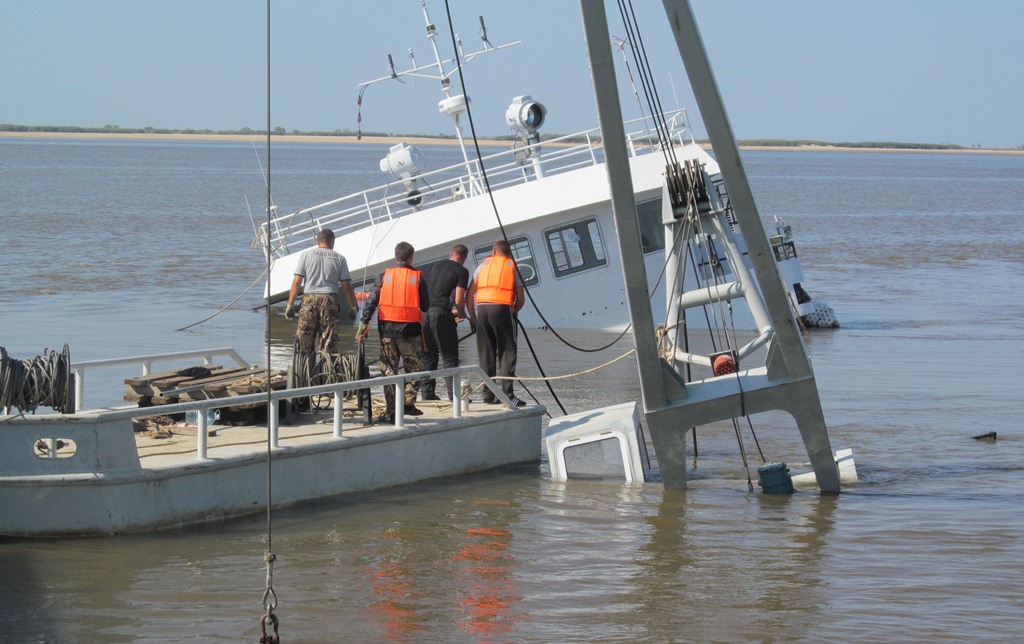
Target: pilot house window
{"type": "Point", "coordinates": [576, 247]}
{"type": "Point", "coordinates": [652, 231]}
{"type": "Point", "coordinates": [521, 252]}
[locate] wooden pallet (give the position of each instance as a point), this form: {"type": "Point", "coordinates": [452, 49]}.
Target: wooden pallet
{"type": "Point", "coordinates": [205, 383]}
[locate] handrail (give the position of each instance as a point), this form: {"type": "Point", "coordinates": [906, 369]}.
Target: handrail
{"type": "Point", "coordinates": [361, 209]}
{"type": "Point", "coordinates": [79, 368]}
{"type": "Point", "coordinates": [336, 389]}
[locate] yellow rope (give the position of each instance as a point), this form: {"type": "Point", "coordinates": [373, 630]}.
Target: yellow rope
{"type": "Point", "coordinates": [569, 375]}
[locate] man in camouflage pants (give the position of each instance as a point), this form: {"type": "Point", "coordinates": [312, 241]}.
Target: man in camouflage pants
{"type": "Point", "coordinates": [320, 272]}
{"type": "Point", "coordinates": [401, 296]}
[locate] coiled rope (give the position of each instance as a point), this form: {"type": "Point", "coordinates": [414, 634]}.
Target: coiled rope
{"type": "Point", "coordinates": [43, 381]}
{"type": "Point", "coordinates": [311, 368]}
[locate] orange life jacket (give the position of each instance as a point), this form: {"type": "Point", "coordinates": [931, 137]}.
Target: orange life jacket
{"type": "Point", "coordinates": [495, 284]}
{"type": "Point", "coordinates": [400, 296]}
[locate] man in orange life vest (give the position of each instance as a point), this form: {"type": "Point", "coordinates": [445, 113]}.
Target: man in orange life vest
{"type": "Point", "coordinates": [494, 297]}
{"type": "Point", "coordinates": [401, 295]}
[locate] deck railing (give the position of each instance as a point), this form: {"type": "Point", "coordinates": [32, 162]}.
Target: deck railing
{"type": "Point", "coordinates": [509, 167]}
{"type": "Point", "coordinates": [147, 362]}
{"type": "Point", "coordinates": [336, 390]}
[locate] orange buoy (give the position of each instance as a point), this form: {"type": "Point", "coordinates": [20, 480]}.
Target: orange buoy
{"type": "Point", "coordinates": [724, 365]}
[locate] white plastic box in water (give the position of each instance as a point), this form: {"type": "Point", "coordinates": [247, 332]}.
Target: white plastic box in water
{"type": "Point", "coordinates": [600, 443]}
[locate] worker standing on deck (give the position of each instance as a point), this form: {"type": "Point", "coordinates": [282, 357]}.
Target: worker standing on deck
{"type": "Point", "coordinates": [320, 272]}
{"type": "Point", "coordinates": [447, 284]}
{"type": "Point", "coordinates": [495, 296]}
{"type": "Point", "coordinates": [402, 297]}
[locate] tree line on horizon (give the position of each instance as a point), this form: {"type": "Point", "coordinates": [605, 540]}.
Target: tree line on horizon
{"type": "Point", "coordinates": [280, 131]}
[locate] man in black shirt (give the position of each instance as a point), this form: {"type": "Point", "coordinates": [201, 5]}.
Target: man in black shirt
{"type": "Point", "coordinates": [447, 284]}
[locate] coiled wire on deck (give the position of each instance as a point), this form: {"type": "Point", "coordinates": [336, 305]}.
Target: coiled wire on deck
{"type": "Point", "coordinates": [43, 381]}
{"type": "Point", "coordinates": [311, 368]}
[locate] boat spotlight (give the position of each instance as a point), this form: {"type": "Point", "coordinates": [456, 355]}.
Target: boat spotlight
{"type": "Point", "coordinates": [402, 162]}
{"type": "Point", "coordinates": [526, 115]}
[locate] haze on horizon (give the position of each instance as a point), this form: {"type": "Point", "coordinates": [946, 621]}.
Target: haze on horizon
{"type": "Point", "coordinates": [923, 71]}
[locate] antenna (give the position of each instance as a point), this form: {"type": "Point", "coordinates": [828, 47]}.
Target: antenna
{"type": "Point", "coordinates": [451, 106]}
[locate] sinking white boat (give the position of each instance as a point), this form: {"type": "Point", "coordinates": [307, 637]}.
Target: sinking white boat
{"type": "Point", "coordinates": [551, 200]}
{"type": "Point", "coordinates": [91, 473]}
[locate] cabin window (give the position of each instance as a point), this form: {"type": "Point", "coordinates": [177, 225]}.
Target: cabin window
{"type": "Point", "coordinates": [652, 231]}
{"type": "Point", "coordinates": [576, 247]}
{"type": "Point", "coordinates": [521, 252]}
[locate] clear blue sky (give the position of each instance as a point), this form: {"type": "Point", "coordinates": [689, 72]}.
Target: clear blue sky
{"type": "Point", "coordinates": [929, 71]}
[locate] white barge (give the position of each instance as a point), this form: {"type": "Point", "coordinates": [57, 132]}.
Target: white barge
{"type": "Point", "coordinates": [91, 473]}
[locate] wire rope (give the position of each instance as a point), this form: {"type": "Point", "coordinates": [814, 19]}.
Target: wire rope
{"type": "Point", "coordinates": [269, 600]}
{"type": "Point", "coordinates": [41, 381]}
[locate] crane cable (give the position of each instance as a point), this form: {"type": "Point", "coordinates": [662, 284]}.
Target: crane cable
{"type": "Point", "coordinates": [269, 600]}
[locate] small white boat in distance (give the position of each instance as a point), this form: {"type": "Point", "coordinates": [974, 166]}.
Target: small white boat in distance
{"type": "Point", "coordinates": [551, 200]}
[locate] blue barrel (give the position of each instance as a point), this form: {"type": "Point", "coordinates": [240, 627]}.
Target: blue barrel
{"type": "Point", "coordinates": [774, 479]}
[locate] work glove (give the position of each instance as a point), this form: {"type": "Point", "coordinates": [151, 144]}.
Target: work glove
{"type": "Point", "coordinates": [472, 326]}
{"type": "Point", "coordinates": [289, 312]}
{"type": "Point", "coordinates": [351, 314]}
{"type": "Point", "coordinates": [362, 331]}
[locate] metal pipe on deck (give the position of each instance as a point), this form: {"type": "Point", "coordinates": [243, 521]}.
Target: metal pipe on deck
{"type": "Point", "coordinates": [692, 358]}
{"type": "Point", "coordinates": [201, 436]}
{"type": "Point", "coordinates": [273, 423]}
{"type": "Point", "coordinates": [456, 394]}
{"type": "Point", "coordinates": [711, 295]}
{"type": "Point", "coordinates": [339, 399]}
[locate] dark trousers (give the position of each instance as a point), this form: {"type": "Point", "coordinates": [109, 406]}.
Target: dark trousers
{"type": "Point", "coordinates": [496, 343]}
{"type": "Point", "coordinates": [441, 338]}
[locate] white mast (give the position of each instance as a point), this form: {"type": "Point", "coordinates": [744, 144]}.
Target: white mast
{"type": "Point", "coordinates": [451, 105]}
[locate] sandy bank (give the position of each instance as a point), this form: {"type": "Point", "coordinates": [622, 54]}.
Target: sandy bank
{"type": "Point", "coordinates": [255, 138]}
{"type": "Point", "coordinates": [260, 139]}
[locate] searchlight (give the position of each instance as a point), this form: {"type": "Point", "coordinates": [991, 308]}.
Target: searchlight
{"type": "Point", "coordinates": [402, 162]}
{"type": "Point", "coordinates": [525, 116]}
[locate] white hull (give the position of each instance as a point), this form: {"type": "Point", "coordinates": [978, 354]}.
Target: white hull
{"type": "Point", "coordinates": [591, 298]}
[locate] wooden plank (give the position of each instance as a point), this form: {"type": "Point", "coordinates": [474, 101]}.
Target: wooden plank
{"type": "Point", "coordinates": [212, 390]}
{"type": "Point", "coordinates": [277, 381]}
{"type": "Point", "coordinates": [167, 384]}
{"type": "Point", "coordinates": [147, 379]}
{"type": "Point", "coordinates": [154, 383]}
{"type": "Point", "coordinates": [225, 377]}
{"type": "Point", "coordinates": [170, 383]}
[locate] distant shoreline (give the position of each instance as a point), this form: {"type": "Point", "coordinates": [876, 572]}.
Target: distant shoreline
{"type": "Point", "coordinates": [426, 140]}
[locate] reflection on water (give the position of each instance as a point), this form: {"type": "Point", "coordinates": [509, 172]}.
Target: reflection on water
{"type": "Point", "coordinates": [907, 249]}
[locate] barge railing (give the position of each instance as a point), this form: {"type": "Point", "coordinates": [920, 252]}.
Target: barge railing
{"type": "Point", "coordinates": [147, 361]}
{"type": "Point", "coordinates": [338, 390]}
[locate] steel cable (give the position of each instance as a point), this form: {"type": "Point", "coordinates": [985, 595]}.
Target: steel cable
{"type": "Point", "coordinates": [42, 381]}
